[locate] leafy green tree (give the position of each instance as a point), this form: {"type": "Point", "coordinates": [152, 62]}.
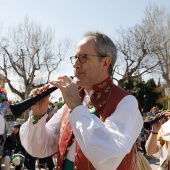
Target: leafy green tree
{"type": "Point", "coordinates": [146, 93]}
{"type": "Point", "coordinates": [136, 88]}
{"type": "Point", "coordinates": [152, 95]}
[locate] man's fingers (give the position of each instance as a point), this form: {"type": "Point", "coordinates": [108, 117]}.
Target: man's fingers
{"type": "Point", "coordinates": [39, 90]}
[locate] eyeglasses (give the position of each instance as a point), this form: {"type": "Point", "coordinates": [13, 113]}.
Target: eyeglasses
{"type": "Point", "coordinates": [82, 58]}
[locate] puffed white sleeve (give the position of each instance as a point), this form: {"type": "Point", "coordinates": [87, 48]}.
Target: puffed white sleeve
{"type": "Point", "coordinates": [41, 139]}
{"type": "Point", "coordinates": [105, 144]}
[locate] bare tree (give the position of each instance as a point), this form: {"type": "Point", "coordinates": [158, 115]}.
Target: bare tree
{"type": "Point", "coordinates": [136, 52]}
{"type": "Point", "coordinates": [146, 47]}
{"type": "Point", "coordinates": [30, 55]}
{"type": "Point", "coordinates": [157, 19]}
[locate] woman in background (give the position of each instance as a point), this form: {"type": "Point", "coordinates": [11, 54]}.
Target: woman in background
{"type": "Point", "coordinates": [158, 141]}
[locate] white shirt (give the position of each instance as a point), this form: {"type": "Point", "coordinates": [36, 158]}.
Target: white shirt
{"type": "Point", "coordinates": [104, 143]}
{"type": "Point", "coordinates": [2, 124]}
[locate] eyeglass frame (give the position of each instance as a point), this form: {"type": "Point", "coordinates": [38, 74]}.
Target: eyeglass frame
{"type": "Point", "coordinates": [82, 55]}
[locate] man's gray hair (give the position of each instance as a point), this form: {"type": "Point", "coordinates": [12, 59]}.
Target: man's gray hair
{"type": "Point", "coordinates": [104, 47]}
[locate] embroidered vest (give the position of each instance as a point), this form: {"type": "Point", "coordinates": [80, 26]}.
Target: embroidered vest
{"type": "Point", "coordinates": [105, 100]}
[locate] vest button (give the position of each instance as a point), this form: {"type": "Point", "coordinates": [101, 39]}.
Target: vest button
{"type": "Point", "coordinates": [76, 154]}
{"type": "Point", "coordinates": [58, 167]}
{"type": "Point", "coordinates": [75, 167]}
{"type": "Point", "coordinates": [66, 140]}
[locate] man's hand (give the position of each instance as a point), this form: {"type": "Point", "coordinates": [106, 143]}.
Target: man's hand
{"type": "Point", "coordinates": [69, 91]}
{"type": "Point", "coordinates": [41, 106]}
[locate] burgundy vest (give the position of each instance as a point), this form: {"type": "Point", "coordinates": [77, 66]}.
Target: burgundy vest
{"type": "Point", "coordinates": [105, 100]}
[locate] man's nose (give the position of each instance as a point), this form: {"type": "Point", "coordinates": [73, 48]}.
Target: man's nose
{"type": "Point", "coordinates": [77, 64]}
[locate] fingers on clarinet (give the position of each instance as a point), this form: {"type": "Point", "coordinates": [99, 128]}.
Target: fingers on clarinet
{"type": "Point", "coordinates": [54, 83]}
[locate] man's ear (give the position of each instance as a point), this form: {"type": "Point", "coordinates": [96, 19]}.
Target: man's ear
{"type": "Point", "coordinates": [106, 63]}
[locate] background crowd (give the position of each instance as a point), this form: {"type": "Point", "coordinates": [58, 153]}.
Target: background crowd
{"type": "Point", "coordinates": [143, 137]}
{"type": "Point", "coordinates": [12, 153]}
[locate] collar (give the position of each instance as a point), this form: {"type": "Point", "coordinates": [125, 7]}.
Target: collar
{"type": "Point", "coordinates": [98, 90]}
{"type": "Point", "coordinates": [88, 94]}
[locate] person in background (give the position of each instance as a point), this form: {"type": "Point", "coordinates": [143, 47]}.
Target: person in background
{"type": "Point", "coordinates": [6, 157]}
{"type": "Point", "coordinates": [98, 126]}
{"type": "Point", "coordinates": [159, 140]}
{"type": "Point", "coordinates": [3, 134]}
{"type": "Point", "coordinates": [154, 111]}
{"type": "Point", "coordinates": [48, 161]}
{"type": "Point", "coordinates": [50, 114]}
{"type": "Point", "coordinates": [13, 146]}
{"type": "Point", "coordinates": [55, 107]}
{"type": "Point", "coordinates": [142, 140]}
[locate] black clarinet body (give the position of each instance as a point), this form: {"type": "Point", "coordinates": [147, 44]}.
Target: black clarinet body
{"type": "Point", "coordinates": [18, 108]}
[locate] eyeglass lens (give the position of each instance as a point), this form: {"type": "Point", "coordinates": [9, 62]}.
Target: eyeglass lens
{"type": "Point", "coordinates": [82, 59]}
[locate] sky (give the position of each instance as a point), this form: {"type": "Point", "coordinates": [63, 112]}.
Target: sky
{"type": "Point", "coordinates": [72, 18]}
